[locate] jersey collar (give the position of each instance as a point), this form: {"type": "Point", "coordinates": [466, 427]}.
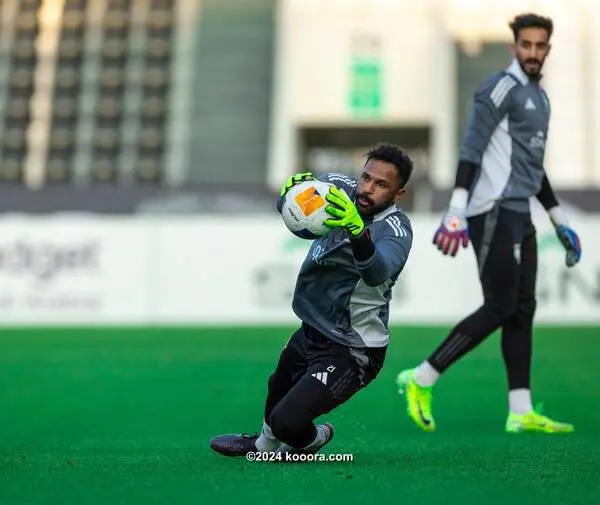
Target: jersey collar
{"type": "Point", "coordinates": [385, 213]}
{"type": "Point", "coordinates": [516, 70]}
{"type": "Point", "coordinates": [381, 215]}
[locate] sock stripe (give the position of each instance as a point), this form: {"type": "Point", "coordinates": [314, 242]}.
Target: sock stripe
{"type": "Point", "coordinates": [455, 351]}
{"type": "Point", "coordinates": [458, 351]}
{"type": "Point", "coordinates": [449, 350]}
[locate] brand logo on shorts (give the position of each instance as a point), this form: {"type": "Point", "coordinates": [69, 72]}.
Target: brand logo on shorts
{"type": "Point", "coordinates": [322, 376]}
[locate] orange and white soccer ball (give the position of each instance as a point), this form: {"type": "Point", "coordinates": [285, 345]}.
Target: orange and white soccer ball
{"type": "Point", "coordinates": [303, 209]}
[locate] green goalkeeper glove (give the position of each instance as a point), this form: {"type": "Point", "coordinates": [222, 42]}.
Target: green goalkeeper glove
{"type": "Point", "coordinates": [295, 179]}
{"type": "Point", "coordinates": [344, 211]}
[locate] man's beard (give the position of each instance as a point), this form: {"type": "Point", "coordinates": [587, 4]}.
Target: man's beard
{"type": "Point", "coordinates": [371, 209]}
{"type": "Point", "coordinates": [537, 75]}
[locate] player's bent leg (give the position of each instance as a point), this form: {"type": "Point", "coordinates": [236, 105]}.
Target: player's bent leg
{"type": "Point", "coordinates": [290, 367]}
{"type": "Point", "coordinates": [417, 384]}
{"type": "Point", "coordinates": [292, 364]}
{"type": "Point", "coordinates": [491, 235]}
{"type": "Point", "coordinates": [335, 375]}
{"type": "Point", "coordinates": [292, 419]}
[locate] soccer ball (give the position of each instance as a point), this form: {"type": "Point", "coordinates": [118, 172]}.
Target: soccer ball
{"type": "Point", "coordinates": [303, 209]}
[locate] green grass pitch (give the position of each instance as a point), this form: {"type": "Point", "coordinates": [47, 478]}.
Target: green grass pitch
{"type": "Point", "coordinates": [124, 416]}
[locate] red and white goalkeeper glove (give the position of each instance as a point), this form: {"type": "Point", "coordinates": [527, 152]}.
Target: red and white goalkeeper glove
{"type": "Point", "coordinates": [454, 229]}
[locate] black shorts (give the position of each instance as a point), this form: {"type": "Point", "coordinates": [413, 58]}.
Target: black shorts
{"type": "Point", "coordinates": [320, 374]}
{"type": "Point", "coordinates": [343, 369]}
{"type": "Point", "coordinates": [506, 247]}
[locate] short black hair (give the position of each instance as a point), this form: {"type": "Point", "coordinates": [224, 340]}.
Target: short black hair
{"type": "Point", "coordinates": [394, 155]}
{"type": "Point", "coordinates": [530, 20]}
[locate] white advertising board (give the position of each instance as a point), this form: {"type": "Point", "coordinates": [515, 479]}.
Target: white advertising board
{"type": "Point", "coordinates": [244, 271]}
{"type": "Point", "coordinates": [73, 270]}
{"type": "Point", "coordinates": [225, 271]}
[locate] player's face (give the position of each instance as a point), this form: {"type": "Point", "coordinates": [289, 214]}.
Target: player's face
{"type": "Point", "coordinates": [531, 49]}
{"type": "Point", "coordinates": [378, 187]}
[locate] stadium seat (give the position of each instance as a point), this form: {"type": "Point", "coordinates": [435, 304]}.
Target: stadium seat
{"type": "Point", "coordinates": [148, 170]}
{"type": "Point", "coordinates": [58, 169]}
{"type": "Point", "coordinates": [153, 111]}
{"type": "Point", "coordinates": [23, 51]}
{"type": "Point", "coordinates": [153, 117]}
{"type": "Point", "coordinates": [109, 109]}
{"type": "Point", "coordinates": [17, 112]}
{"type": "Point", "coordinates": [20, 89]}
{"type": "Point", "coordinates": [114, 50]}
{"type": "Point", "coordinates": [104, 169]}
{"type": "Point", "coordinates": [73, 22]}
{"type": "Point", "coordinates": [67, 89]}
{"type": "Point", "coordinates": [116, 22]}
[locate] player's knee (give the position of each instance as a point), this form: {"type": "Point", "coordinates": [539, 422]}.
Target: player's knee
{"type": "Point", "coordinates": [286, 424]}
{"type": "Point", "coordinates": [526, 312]}
{"type": "Point", "coordinates": [502, 308]}
{"type": "Point", "coordinates": [279, 382]}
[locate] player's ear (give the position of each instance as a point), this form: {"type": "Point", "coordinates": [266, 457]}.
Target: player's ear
{"type": "Point", "coordinates": [400, 194]}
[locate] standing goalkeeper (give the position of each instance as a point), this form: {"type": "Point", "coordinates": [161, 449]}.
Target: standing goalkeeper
{"type": "Point", "coordinates": [342, 297]}
{"type": "Point", "coordinates": [500, 168]}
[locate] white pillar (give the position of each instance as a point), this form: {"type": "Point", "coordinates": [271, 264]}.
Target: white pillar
{"type": "Point", "coordinates": [443, 144]}
{"type": "Point", "coordinates": [592, 64]}
{"type": "Point", "coordinates": [282, 151]}
{"type": "Point", "coordinates": [566, 153]}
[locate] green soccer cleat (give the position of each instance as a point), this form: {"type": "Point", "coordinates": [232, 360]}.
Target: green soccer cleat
{"type": "Point", "coordinates": [418, 399]}
{"type": "Point", "coordinates": [534, 421]}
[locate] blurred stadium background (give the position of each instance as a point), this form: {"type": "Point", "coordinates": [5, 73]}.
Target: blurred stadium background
{"type": "Point", "coordinates": [146, 280]}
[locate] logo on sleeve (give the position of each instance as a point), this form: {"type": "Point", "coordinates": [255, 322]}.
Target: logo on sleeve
{"type": "Point", "coordinates": [396, 226]}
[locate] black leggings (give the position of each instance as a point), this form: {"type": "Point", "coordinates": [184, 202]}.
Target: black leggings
{"type": "Point", "coordinates": [314, 375]}
{"type": "Point", "coordinates": [506, 248]}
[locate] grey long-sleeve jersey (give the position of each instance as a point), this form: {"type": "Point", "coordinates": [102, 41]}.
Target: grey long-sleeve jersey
{"type": "Point", "coordinates": [347, 300]}
{"type": "Point", "coordinates": [506, 139]}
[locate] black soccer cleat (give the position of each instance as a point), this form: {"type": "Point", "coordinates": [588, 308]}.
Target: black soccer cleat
{"type": "Point", "coordinates": [234, 444]}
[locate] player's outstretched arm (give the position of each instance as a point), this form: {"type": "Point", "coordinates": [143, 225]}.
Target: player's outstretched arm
{"type": "Point", "coordinates": [377, 259]}
{"type": "Point", "coordinates": [567, 236]}
{"type": "Point", "coordinates": [383, 254]}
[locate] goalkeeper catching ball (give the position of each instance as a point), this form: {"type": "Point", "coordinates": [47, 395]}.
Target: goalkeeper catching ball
{"type": "Point", "coordinates": [342, 298]}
